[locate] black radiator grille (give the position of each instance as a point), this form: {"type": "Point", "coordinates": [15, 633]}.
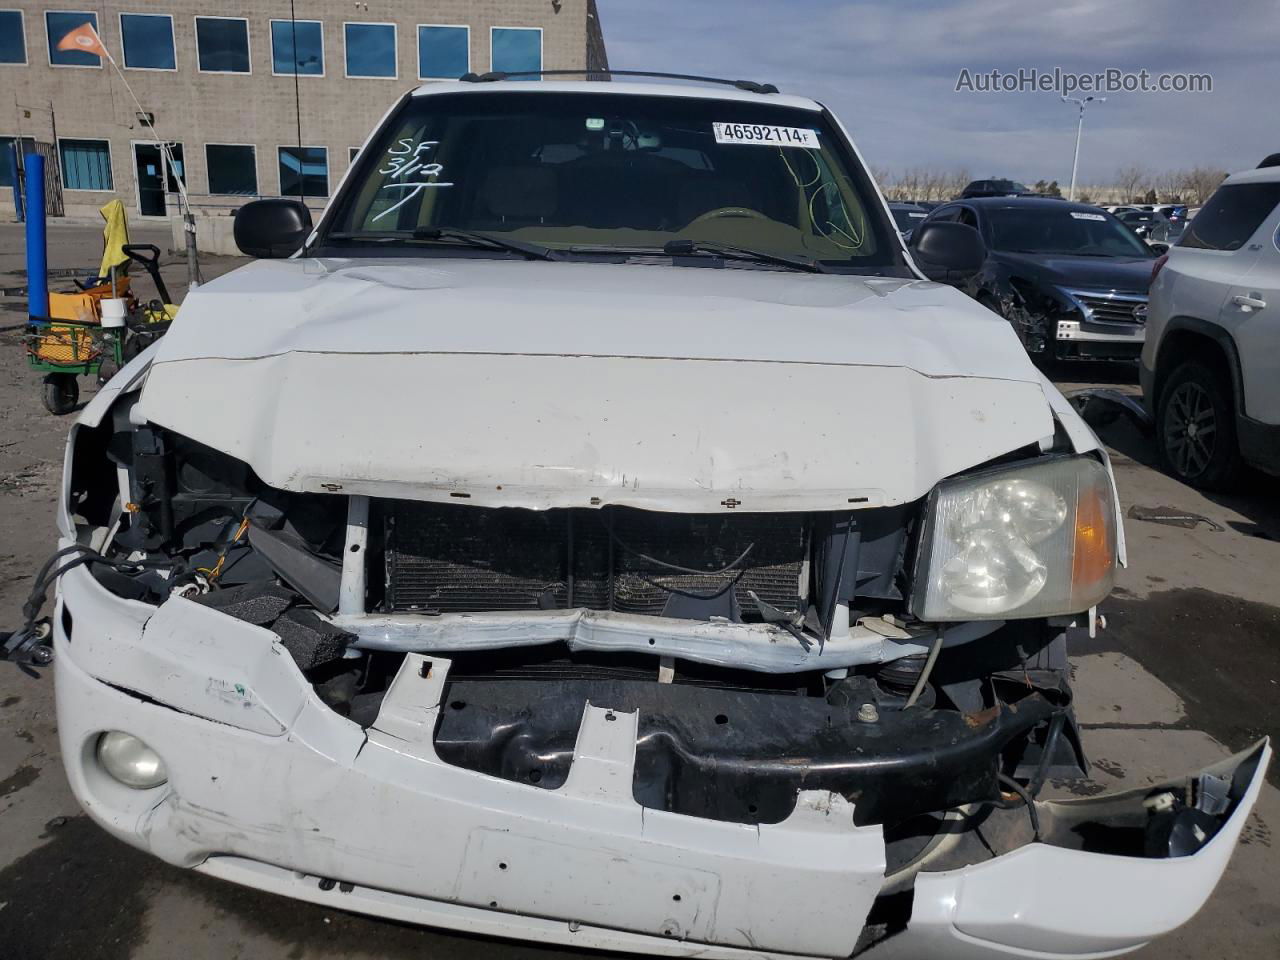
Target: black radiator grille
{"type": "Point", "coordinates": [455, 559]}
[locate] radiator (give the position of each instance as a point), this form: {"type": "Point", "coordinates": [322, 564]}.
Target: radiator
{"type": "Point", "coordinates": [454, 559]}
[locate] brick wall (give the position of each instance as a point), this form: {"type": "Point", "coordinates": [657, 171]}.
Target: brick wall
{"type": "Point", "coordinates": [197, 108]}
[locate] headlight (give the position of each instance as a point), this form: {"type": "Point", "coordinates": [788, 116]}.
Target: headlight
{"type": "Point", "coordinates": [130, 761]}
{"type": "Point", "coordinates": [1031, 541]}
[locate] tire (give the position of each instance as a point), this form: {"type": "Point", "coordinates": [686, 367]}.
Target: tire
{"type": "Point", "coordinates": [61, 393]}
{"type": "Point", "coordinates": [1196, 427]}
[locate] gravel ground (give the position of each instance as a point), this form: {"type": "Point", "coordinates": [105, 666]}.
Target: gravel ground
{"type": "Point", "coordinates": [1186, 672]}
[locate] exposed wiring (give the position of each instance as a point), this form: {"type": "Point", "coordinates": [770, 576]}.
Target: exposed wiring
{"type": "Point", "coordinates": [48, 575]}
{"type": "Point", "coordinates": [1035, 784]}
{"type": "Point", "coordinates": [1021, 791]}
{"type": "Point", "coordinates": [928, 669]}
{"type": "Point", "coordinates": [212, 573]}
{"type": "Point", "coordinates": [676, 568]}
{"type": "Point", "coordinates": [717, 592]}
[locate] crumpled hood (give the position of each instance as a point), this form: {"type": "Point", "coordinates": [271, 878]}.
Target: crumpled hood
{"type": "Point", "coordinates": [1131, 274]}
{"type": "Point", "coordinates": [533, 384]}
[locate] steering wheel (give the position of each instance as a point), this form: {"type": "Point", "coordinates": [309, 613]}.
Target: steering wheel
{"type": "Point", "coordinates": [719, 212]}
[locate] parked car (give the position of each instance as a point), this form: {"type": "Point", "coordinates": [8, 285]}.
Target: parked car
{"type": "Point", "coordinates": [1070, 279]}
{"type": "Point", "coordinates": [994, 188]}
{"type": "Point", "coordinates": [595, 530]}
{"type": "Point", "coordinates": [1152, 226]}
{"type": "Point", "coordinates": [1210, 369]}
{"type": "Point", "coordinates": [1173, 211]}
{"type": "Point", "coordinates": [905, 217]}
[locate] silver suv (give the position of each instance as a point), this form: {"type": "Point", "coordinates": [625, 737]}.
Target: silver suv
{"type": "Point", "coordinates": [1211, 363]}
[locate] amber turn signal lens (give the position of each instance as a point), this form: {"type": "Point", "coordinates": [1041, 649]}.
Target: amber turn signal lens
{"type": "Point", "coordinates": [1093, 560]}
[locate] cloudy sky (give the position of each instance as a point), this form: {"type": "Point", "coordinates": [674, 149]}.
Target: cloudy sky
{"type": "Point", "coordinates": [888, 68]}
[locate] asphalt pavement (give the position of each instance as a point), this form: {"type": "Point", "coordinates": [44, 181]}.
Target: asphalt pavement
{"type": "Point", "coordinates": [1186, 671]}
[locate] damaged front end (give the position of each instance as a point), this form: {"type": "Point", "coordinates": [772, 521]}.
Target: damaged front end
{"type": "Point", "coordinates": [1067, 323]}
{"type": "Point", "coordinates": [711, 733]}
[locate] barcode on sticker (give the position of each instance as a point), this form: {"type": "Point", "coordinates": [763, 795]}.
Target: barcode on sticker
{"type": "Point", "coordinates": [766, 135]}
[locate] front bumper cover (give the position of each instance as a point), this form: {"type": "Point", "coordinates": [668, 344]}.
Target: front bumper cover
{"type": "Point", "coordinates": [281, 793]}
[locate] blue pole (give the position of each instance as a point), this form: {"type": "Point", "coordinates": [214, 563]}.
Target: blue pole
{"type": "Point", "coordinates": [37, 251]}
{"type": "Point", "coordinates": [12, 162]}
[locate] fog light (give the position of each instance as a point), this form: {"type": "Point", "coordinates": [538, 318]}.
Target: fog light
{"type": "Point", "coordinates": [130, 761]}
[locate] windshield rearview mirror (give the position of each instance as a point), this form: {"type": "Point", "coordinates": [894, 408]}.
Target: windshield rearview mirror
{"type": "Point", "coordinates": [272, 228]}
{"type": "Point", "coordinates": [948, 252]}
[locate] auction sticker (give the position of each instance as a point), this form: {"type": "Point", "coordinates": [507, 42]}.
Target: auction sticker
{"type": "Point", "coordinates": [1087, 216]}
{"type": "Point", "coordinates": [766, 135]}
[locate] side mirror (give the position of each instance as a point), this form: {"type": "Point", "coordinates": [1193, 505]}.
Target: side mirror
{"type": "Point", "coordinates": [948, 252]}
{"type": "Point", "coordinates": [1159, 246]}
{"type": "Point", "coordinates": [273, 228]}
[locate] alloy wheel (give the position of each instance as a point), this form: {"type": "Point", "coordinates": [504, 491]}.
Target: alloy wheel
{"type": "Point", "coordinates": [1190, 429]}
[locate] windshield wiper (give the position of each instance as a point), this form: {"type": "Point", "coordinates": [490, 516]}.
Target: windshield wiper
{"type": "Point", "coordinates": [471, 238]}
{"type": "Point", "coordinates": [677, 248]}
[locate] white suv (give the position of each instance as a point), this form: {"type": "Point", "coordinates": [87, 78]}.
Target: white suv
{"type": "Point", "coordinates": [1211, 363]}
{"type": "Point", "coordinates": [597, 530]}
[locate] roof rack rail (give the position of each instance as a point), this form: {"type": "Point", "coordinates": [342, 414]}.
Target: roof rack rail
{"type": "Point", "coordinates": [751, 86]}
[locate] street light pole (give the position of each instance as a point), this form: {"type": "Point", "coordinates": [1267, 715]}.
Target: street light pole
{"type": "Point", "coordinates": [1075, 163]}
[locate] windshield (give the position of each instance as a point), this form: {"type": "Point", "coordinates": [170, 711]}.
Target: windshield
{"type": "Point", "coordinates": [584, 172]}
{"type": "Point", "coordinates": [907, 217]}
{"type": "Point", "coordinates": [996, 187]}
{"type": "Point", "coordinates": [1061, 230]}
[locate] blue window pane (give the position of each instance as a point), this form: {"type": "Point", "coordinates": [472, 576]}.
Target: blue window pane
{"type": "Point", "coordinates": [309, 53]}
{"type": "Point", "coordinates": [8, 162]}
{"type": "Point", "coordinates": [59, 25]}
{"type": "Point", "coordinates": [371, 49]}
{"type": "Point", "coordinates": [443, 52]}
{"type": "Point", "coordinates": [308, 166]}
{"type": "Point", "coordinates": [86, 164]}
{"type": "Point", "coordinates": [516, 49]}
{"type": "Point", "coordinates": [13, 49]}
{"type": "Point", "coordinates": [232, 169]}
{"type": "Point", "coordinates": [222, 45]}
{"type": "Point", "coordinates": [148, 41]}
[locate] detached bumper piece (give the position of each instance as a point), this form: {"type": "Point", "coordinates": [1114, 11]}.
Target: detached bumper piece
{"type": "Point", "coordinates": [1114, 873]}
